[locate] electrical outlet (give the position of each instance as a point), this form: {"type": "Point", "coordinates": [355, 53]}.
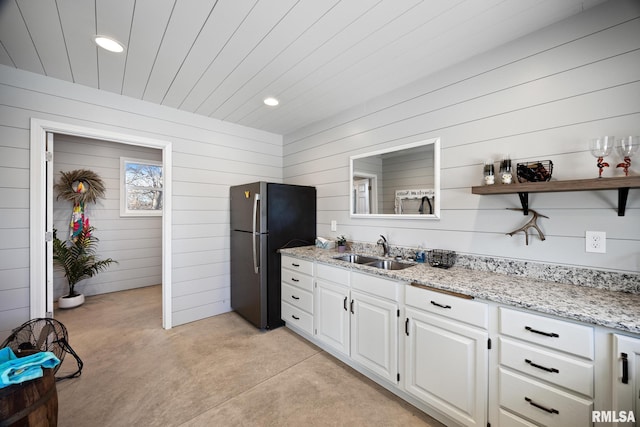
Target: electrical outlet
{"type": "Point", "coordinates": [334, 225]}
{"type": "Point", "coordinates": [596, 241]}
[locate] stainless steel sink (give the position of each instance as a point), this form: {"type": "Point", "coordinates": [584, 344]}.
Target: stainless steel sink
{"type": "Point", "coordinates": [356, 259]}
{"type": "Point", "coordinates": [385, 264]}
{"type": "Point", "coordinates": [388, 264]}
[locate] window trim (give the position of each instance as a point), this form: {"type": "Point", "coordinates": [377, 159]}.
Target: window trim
{"type": "Point", "coordinates": [124, 212]}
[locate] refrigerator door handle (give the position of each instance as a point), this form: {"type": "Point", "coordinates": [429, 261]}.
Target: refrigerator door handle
{"type": "Point", "coordinates": [256, 198]}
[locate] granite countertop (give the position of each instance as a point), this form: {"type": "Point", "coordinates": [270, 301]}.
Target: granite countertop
{"type": "Point", "coordinates": [613, 309]}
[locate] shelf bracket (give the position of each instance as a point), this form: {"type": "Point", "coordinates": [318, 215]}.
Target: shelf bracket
{"type": "Point", "coordinates": [623, 193]}
{"type": "Point", "coordinates": [524, 201]}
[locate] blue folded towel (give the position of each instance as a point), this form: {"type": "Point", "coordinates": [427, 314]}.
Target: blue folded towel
{"type": "Point", "coordinates": [14, 370]}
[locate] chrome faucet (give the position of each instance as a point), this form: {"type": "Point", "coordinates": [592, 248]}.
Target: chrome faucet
{"type": "Point", "coordinates": [385, 246]}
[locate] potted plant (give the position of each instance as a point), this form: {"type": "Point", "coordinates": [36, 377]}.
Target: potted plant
{"type": "Point", "coordinates": [78, 260]}
{"type": "Point", "coordinates": [342, 243]}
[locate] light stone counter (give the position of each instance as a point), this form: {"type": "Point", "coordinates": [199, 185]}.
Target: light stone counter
{"type": "Point", "coordinates": [613, 309]}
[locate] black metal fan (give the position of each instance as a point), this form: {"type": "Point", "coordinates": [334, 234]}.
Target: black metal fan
{"type": "Point", "coordinates": [43, 334]}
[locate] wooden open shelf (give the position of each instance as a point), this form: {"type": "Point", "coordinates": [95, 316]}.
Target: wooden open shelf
{"type": "Point", "coordinates": [622, 184]}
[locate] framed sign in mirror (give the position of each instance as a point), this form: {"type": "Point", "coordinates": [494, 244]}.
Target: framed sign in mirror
{"type": "Point", "coordinates": [397, 182]}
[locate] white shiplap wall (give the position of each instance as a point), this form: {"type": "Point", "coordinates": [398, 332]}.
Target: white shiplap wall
{"type": "Point", "coordinates": [208, 157]}
{"type": "Point", "coordinates": [540, 97]}
{"type": "Point", "coordinates": [135, 242]}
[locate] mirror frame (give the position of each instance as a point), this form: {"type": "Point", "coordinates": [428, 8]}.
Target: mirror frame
{"type": "Point", "coordinates": [436, 180]}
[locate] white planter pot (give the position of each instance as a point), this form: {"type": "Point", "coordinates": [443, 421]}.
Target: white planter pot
{"type": "Point", "coordinates": [70, 302]}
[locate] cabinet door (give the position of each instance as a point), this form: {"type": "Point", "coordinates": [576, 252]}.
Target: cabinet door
{"type": "Point", "coordinates": [446, 365]}
{"type": "Point", "coordinates": [626, 378]}
{"type": "Point", "coordinates": [374, 334]}
{"type": "Point", "coordinates": [332, 315]}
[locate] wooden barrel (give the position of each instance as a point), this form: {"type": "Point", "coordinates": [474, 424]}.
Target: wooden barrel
{"type": "Point", "coordinates": [32, 403]}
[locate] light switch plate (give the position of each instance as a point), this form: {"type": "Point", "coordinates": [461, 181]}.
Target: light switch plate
{"type": "Point", "coordinates": [334, 225]}
{"type": "Point", "coordinates": [596, 241]}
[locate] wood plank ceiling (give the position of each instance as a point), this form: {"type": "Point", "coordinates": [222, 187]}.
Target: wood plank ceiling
{"type": "Point", "coordinates": [221, 58]}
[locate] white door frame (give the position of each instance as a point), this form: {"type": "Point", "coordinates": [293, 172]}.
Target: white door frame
{"type": "Point", "coordinates": [373, 194]}
{"type": "Point", "coordinates": [37, 207]}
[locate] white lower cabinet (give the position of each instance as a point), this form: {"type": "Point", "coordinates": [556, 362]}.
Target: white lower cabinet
{"type": "Point", "coordinates": [358, 324]}
{"type": "Point", "coordinates": [296, 306]}
{"type": "Point", "coordinates": [374, 334]}
{"type": "Point", "coordinates": [507, 419]}
{"type": "Point", "coordinates": [542, 403]}
{"type": "Point", "coordinates": [332, 315]}
{"type": "Point", "coordinates": [294, 316]}
{"type": "Point", "coordinates": [446, 360]}
{"type": "Point", "coordinates": [546, 372]}
{"type": "Point", "coordinates": [557, 369]}
{"type": "Point", "coordinates": [626, 381]}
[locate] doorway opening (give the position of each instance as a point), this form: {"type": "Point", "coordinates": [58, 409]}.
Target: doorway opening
{"type": "Point", "coordinates": [365, 193]}
{"type": "Point", "coordinates": [41, 212]}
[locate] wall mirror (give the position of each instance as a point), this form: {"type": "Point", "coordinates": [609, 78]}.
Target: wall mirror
{"type": "Point", "coordinates": [399, 182]}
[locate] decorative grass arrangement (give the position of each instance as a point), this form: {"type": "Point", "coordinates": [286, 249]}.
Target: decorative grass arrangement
{"type": "Point", "coordinates": [92, 186]}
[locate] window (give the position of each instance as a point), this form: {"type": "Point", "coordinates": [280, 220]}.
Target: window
{"type": "Point", "coordinates": [141, 187]}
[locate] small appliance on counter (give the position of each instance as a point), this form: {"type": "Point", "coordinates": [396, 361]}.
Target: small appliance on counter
{"type": "Point", "coordinates": [266, 217]}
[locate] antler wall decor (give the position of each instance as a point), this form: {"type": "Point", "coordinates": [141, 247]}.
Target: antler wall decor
{"type": "Point", "coordinates": [530, 224]}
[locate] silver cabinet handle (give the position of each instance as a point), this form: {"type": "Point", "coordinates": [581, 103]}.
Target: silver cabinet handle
{"type": "Point", "coordinates": [256, 198]}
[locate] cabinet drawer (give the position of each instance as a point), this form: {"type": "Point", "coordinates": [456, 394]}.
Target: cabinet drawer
{"type": "Point", "coordinates": [556, 334]}
{"type": "Point", "coordinates": [542, 403]}
{"type": "Point", "coordinates": [572, 374]}
{"type": "Point", "coordinates": [464, 310]}
{"type": "Point", "coordinates": [297, 279]}
{"type": "Point", "coordinates": [507, 419]}
{"type": "Point", "coordinates": [297, 297]}
{"type": "Point", "coordinates": [293, 316]}
{"type": "Point", "coordinates": [378, 286]}
{"type": "Point", "coordinates": [296, 264]}
{"type": "Point", "coordinates": [333, 274]}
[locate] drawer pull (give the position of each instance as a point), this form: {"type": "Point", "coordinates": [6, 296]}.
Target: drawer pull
{"type": "Point", "coordinates": [440, 305]}
{"type": "Point", "coordinates": [344, 303]}
{"type": "Point", "coordinates": [546, 334]}
{"type": "Point", "coordinates": [293, 279]}
{"type": "Point", "coordinates": [537, 405]}
{"type": "Point", "coordinates": [352, 312]}
{"type": "Point", "coordinates": [295, 265]}
{"type": "Point", "coordinates": [625, 368]}
{"type": "Point", "coordinates": [406, 326]}
{"type": "Point", "coordinates": [544, 368]}
{"type": "Point", "coordinates": [295, 317]}
{"type": "Point", "coordinates": [295, 297]}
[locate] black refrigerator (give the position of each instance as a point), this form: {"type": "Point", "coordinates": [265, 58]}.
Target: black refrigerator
{"type": "Point", "coordinates": [266, 217]}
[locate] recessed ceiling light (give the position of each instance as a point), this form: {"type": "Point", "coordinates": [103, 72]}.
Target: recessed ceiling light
{"type": "Point", "coordinates": [109, 44]}
{"type": "Point", "coordinates": [271, 102]}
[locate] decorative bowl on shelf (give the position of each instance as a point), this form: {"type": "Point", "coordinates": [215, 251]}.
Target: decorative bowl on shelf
{"type": "Point", "coordinates": [537, 171]}
{"type": "Point", "coordinates": [441, 258]}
